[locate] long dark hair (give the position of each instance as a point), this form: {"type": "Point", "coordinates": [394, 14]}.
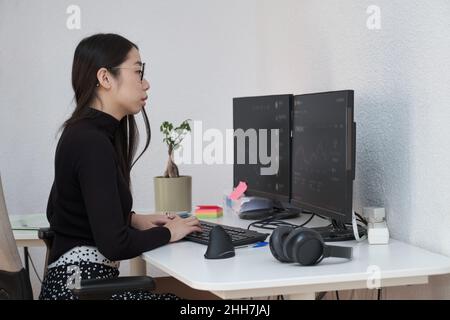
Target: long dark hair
{"type": "Point", "coordinates": [105, 51]}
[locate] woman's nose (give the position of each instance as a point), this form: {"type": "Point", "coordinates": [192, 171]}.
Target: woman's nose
{"type": "Point", "coordinates": [146, 84]}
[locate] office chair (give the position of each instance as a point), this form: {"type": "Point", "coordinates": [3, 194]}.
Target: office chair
{"type": "Point", "coordinates": [15, 281]}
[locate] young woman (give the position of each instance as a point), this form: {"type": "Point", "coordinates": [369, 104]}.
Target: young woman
{"type": "Point", "coordinates": [90, 202]}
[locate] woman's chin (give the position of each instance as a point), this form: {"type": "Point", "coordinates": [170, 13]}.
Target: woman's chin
{"type": "Point", "coordinates": [136, 110]}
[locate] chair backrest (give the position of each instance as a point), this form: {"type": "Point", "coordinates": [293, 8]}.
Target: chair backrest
{"type": "Point", "coordinates": [14, 280]}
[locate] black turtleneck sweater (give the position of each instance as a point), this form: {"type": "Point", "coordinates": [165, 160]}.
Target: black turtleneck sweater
{"type": "Point", "coordinates": [90, 202]}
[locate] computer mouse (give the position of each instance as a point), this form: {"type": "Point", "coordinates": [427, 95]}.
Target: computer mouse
{"type": "Point", "coordinates": [220, 245]}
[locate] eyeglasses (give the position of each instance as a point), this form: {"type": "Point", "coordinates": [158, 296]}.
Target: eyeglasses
{"type": "Point", "coordinates": [141, 71]}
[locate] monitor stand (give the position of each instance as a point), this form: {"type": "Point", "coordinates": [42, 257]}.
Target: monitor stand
{"type": "Point", "coordinates": [338, 231]}
{"type": "Point", "coordinates": [282, 212]}
{"type": "Point", "coordinates": [278, 211]}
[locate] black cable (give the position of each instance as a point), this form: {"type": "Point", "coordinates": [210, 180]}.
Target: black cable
{"type": "Point", "coordinates": [322, 217]}
{"type": "Point", "coordinates": [34, 268]}
{"type": "Point", "coordinates": [320, 295]}
{"type": "Point", "coordinates": [307, 221]}
{"type": "Point", "coordinates": [263, 221]}
{"type": "Point", "coordinates": [270, 223]}
{"type": "Point", "coordinates": [254, 223]}
{"type": "Point", "coordinates": [337, 295]}
{"type": "Point", "coordinates": [363, 220]}
{"type": "Point", "coordinates": [315, 214]}
{"type": "Point", "coordinates": [350, 226]}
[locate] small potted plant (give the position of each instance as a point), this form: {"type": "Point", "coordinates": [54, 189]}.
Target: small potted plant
{"type": "Point", "coordinates": [172, 191]}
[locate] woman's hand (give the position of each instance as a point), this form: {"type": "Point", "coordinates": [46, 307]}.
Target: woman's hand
{"type": "Point", "coordinates": [147, 221]}
{"type": "Point", "coordinates": [179, 227]}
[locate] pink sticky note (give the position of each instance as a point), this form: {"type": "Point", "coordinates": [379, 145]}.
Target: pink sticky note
{"type": "Point", "coordinates": [208, 207]}
{"type": "Point", "coordinates": [238, 191]}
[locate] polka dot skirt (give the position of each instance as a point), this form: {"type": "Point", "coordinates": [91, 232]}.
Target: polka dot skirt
{"type": "Point", "coordinates": [86, 254]}
{"type": "Point", "coordinates": [61, 274]}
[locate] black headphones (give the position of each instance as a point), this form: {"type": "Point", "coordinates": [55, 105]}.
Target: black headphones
{"type": "Point", "coordinates": [303, 245]}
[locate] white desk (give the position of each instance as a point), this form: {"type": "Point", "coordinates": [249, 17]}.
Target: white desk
{"type": "Point", "coordinates": [254, 272]}
{"type": "Point", "coordinates": [28, 238]}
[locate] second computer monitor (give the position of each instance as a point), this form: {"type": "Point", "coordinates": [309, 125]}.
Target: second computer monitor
{"type": "Point", "coordinates": [323, 153]}
{"type": "Point", "coordinates": [259, 122]}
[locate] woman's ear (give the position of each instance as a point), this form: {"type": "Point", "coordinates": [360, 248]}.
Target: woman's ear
{"type": "Point", "coordinates": [103, 78]}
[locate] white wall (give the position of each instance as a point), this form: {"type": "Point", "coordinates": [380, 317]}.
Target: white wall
{"type": "Point", "coordinates": [401, 79]}
{"type": "Point", "coordinates": [202, 53]}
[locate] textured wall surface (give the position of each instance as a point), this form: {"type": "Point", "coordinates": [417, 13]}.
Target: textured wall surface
{"type": "Point", "coordinates": [400, 74]}
{"type": "Point", "coordinates": [202, 53]}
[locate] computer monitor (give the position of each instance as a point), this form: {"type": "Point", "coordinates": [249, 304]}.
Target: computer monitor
{"type": "Point", "coordinates": [251, 116]}
{"type": "Point", "coordinates": [323, 156]}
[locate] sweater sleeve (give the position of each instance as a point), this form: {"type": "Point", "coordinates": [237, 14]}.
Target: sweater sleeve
{"type": "Point", "coordinates": [97, 174]}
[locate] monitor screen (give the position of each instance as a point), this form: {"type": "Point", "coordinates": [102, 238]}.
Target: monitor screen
{"type": "Point", "coordinates": [323, 153]}
{"type": "Point", "coordinates": [262, 145]}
